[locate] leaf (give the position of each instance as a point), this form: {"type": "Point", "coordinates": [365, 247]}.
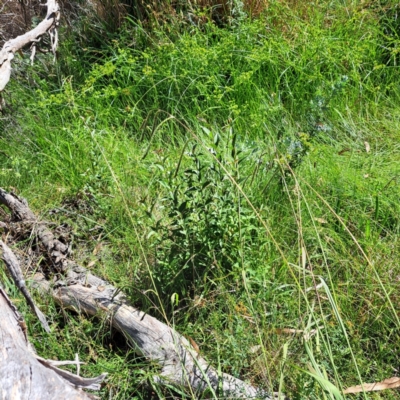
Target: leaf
{"type": "Point", "coordinates": [367, 147]}
{"type": "Point", "coordinates": [216, 139]}
{"type": "Point", "coordinates": [97, 248]}
{"type": "Point", "coordinates": [151, 233]}
{"type": "Point", "coordinates": [182, 207]}
{"type": "Point", "coordinates": [390, 383]}
{"type": "Point", "coordinates": [174, 299]}
{"type": "Point", "coordinates": [206, 183]}
{"type": "Point", "coordinates": [206, 130]}
{"type": "Point", "coordinates": [319, 374]}
{"type": "Point", "coordinates": [325, 384]}
{"type": "Point", "coordinates": [233, 151]}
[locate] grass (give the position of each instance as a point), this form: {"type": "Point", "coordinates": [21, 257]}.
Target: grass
{"type": "Point", "coordinates": [235, 181]}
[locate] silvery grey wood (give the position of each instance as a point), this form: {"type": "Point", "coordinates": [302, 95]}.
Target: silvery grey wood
{"type": "Point", "coordinates": [16, 273]}
{"type": "Point", "coordinates": [48, 25]}
{"type": "Point", "coordinates": [22, 376]}
{"type": "Point", "coordinates": [5, 71]}
{"type": "Point", "coordinates": [180, 364]}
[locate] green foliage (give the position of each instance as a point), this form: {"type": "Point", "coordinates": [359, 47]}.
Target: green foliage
{"type": "Point", "coordinates": [239, 179]}
{"type": "Point", "coordinates": [208, 225]}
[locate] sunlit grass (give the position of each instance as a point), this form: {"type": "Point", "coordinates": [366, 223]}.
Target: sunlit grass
{"type": "Point", "coordinates": [249, 173]}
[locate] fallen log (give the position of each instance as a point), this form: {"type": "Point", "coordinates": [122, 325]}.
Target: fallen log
{"type": "Point", "coordinates": [180, 364]}
{"type": "Point", "coordinates": [23, 375]}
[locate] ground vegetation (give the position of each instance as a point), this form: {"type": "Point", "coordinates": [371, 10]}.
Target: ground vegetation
{"type": "Point", "coordinates": [234, 169]}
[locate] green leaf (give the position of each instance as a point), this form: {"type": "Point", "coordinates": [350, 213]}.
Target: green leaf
{"type": "Point", "coordinates": [216, 138]}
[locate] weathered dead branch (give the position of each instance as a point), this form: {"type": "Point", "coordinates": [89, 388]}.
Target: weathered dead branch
{"type": "Point", "coordinates": [23, 375]}
{"type": "Point", "coordinates": [15, 271]}
{"type": "Point", "coordinates": [47, 26]}
{"type": "Point", "coordinates": [179, 362]}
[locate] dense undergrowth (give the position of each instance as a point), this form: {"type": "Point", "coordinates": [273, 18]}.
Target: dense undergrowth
{"type": "Point", "coordinates": [235, 180]}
